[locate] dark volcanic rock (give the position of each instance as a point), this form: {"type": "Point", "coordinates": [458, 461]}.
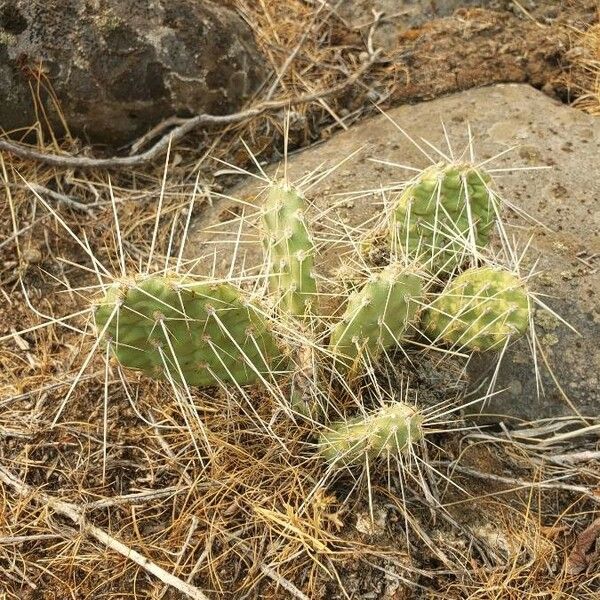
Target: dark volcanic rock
{"type": "Point", "coordinates": [118, 68]}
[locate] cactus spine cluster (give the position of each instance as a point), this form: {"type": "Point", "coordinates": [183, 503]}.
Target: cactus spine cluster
{"type": "Point", "coordinates": [390, 430]}
{"type": "Point", "coordinates": [291, 249]}
{"type": "Point", "coordinates": [376, 316]}
{"type": "Point", "coordinates": [200, 333]}
{"type": "Point", "coordinates": [481, 309]}
{"type": "Point", "coordinates": [446, 214]}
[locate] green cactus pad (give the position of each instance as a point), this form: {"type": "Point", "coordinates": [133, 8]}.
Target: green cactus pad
{"type": "Point", "coordinates": [376, 316]}
{"type": "Point", "coordinates": [446, 215]}
{"type": "Point", "coordinates": [481, 309]}
{"type": "Point", "coordinates": [290, 248]}
{"type": "Point", "coordinates": [171, 327]}
{"type": "Point", "coordinates": [390, 430]}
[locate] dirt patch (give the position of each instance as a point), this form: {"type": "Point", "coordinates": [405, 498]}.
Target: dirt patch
{"type": "Point", "coordinates": [481, 46]}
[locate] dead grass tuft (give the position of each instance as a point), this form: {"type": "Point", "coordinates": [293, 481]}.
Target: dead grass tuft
{"type": "Point", "coordinates": [584, 77]}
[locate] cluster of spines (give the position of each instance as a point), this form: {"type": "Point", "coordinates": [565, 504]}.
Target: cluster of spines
{"type": "Point", "coordinates": [445, 216]}
{"type": "Point", "coordinates": [481, 309]}
{"type": "Point", "coordinates": [390, 430]}
{"type": "Point", "coordinates": [376, 317]}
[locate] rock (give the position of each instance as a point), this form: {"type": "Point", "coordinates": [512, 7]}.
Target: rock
{"type": "Point", "coordinates": [565, 197]}
{"type": "Point", "coordinates": [118, 68]}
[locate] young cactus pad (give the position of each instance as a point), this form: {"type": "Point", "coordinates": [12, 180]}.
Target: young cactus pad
{"type": "Point", "coordinates": [201, 333]}
{"type": "Point", "coordinates": [481, 309]}
{"type": "Point", "coordinates": [290, 248]}
{"type": "Point", "coordinates": [376, 316]}
{"type": "Point", "coordinates": [445, 215]}
{"type": "Point", "coordinates": [390, 430]}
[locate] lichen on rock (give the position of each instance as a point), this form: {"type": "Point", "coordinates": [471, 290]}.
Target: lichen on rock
{"type": "Point", "coordinates": [119, 68]}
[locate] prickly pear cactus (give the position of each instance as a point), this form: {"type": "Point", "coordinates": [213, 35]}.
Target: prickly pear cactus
{"type": "Point", "coordinates": [390, 430]}
{"type": "Point", "coordinates": [290, 249]}
{"type": "Point", "coordinates": [446, 215]}
{"type": "Point", "coordinates": [376, 316]}
{"type": "Point", "coordinates": [201, 333]}
{"type": "Point", "coordinates": [481, 309]}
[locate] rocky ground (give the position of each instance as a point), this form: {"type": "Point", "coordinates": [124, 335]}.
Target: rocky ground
{"type": "Point", "coordinates": [112, 73]}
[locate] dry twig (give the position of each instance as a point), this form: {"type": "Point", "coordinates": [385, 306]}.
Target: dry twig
{"type": "Point", "coordinates": [185, 127]}
{"type": "Point", "coordinates": [75, 514]}
{"type": "Point", "coordinates": [270, 572]}
{"type": "Point", "coordinates": [543, 485]}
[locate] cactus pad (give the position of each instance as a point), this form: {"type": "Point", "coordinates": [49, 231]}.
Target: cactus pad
{"type": "Point", "coordinates": [390, 430]}
{"type": "Point", "coordinates": [376, 316]}
{"type": "Point", "coordinates": [446, 214]}
{"type": "Point", "coordinates": [480, 309]}
{"type": "Point", "coordinates": [290, 248]}
{"type": "Point", "coordinates": [171, 327]}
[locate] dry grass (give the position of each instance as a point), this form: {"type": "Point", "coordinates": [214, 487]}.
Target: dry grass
{"type": "Point", "coordinates": [584, 77]}
{"type": "Point", "coordinates": [254, 521]}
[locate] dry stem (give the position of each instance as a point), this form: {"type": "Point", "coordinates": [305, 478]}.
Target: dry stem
{"type": "Point", "coordinates": [185, 127]}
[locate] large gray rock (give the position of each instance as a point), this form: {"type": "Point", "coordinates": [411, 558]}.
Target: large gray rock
{"type": "Point", "coordinates": [566, 198]}
{"type": "Point", "coordinates": [118, 68]}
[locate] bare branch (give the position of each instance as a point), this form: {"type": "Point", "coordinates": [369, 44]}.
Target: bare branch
{"type": "Point", "coordinates": [521, 483]}
{"type": "Point", "coordinates": [185, 127]}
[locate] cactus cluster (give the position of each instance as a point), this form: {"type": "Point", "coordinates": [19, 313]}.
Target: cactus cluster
{"type": "Point", "coordinates": [208, 333]}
